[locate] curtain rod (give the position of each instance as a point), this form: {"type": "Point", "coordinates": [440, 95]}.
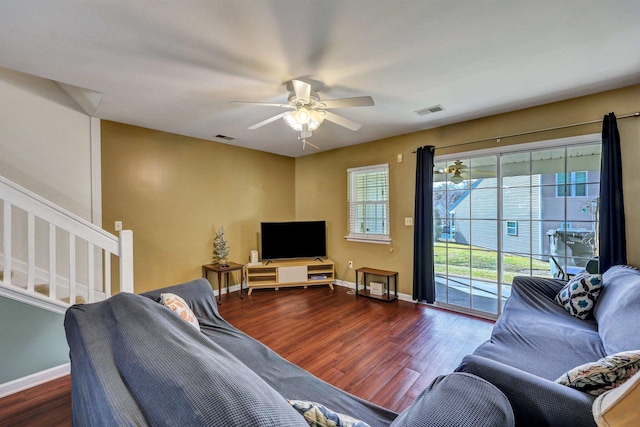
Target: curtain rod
{"type": "Point", "coordinates": [511, 135]}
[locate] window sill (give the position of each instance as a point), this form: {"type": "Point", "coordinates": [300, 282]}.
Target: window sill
{"type": "Point", "coordinates": [377, 240]}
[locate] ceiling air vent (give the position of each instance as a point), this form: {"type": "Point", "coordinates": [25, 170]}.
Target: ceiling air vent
{"type": "Point", "coordinates": [228, 138]}
{"type": "Point", "coordinates": [429, 110]}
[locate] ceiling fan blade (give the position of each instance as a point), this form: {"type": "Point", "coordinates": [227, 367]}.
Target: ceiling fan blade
{"type": "Point", "coordinates": [342, 121]}
{"type": "Point", "coordinates": [482, 174]}
{"type": "Point", "coordinates": [302, 90]}
{"type": "Point", "coordinates": [269, 120]}
{"type": "Point", "coordinates": [358, 101]}
{"type": "Point", "coordinates": [263, 104]}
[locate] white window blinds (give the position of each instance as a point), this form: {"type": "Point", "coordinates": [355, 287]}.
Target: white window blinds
{"type": "Point", "coordinates": [369, 203]}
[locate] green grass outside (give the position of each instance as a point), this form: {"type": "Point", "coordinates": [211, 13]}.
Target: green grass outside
{"type": "Point", "coordinates": [483, 262]}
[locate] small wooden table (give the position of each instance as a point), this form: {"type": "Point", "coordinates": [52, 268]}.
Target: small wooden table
{"type": "Point", "coordinates": [391, 279]}
{"type": "Point", "coordinates": [223, 270]}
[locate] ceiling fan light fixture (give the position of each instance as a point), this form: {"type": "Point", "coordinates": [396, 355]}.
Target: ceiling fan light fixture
{"type": "Point", "coordinates": [456, 178]}
{"type": "Point", "coordinates": [302, 115]}
{"type": "Point", "coordinates": [290, 119]}
{"type": "Point", "coordinates": [315, 119]}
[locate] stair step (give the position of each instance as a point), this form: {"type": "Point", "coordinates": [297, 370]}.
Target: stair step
{"type": "Point", "coordinates": [2, 275]}
{"type": "Point", "coordinates": [79, 300]}
{"type": "Point", "coordinates": [43, 289]}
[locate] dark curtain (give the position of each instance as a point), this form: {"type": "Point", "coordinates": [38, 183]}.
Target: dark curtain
{"type": "Point", "coordinates": [424, 285]}
{"type": "Point", "coordinates": [612, 236]}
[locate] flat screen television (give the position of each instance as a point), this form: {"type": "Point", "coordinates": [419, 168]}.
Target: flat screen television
{"type": "Point", "coordinates": [294, 239]}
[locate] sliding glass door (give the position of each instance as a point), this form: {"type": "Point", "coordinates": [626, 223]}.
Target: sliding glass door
{"type": "Point", "coordinates": [531, 212]}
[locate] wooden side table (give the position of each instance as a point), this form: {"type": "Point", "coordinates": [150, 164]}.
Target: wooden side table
{"type": "Point", "coordinates": [391, 278]}
{"type": "Point", "coordinates": [223, 270]}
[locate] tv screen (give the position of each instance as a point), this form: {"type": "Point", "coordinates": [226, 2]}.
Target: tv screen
{"type": "Point", "coordinates": [295, 239]}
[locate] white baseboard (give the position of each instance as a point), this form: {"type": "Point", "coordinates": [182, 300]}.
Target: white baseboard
{"type": "Point", "coordinates": [232, 288]}
{"type": "Point", "coordinates": [352, 285]}
{"type": "Point", "coordinates": [33, 380]}
{"type": "Point", "coordinates": [337, 282]}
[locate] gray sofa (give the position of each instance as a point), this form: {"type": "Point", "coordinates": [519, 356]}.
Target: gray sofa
{"type": "Point", "coordinates": [535, 341]}
{"type": "Point", "coordinates": [134, 362]}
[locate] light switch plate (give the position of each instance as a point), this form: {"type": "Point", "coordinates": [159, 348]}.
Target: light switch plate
{"type": "Point", "coordinates": [408, 221]}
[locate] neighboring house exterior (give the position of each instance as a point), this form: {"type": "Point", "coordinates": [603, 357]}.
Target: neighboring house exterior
{"type": "Point", "coordinates": [476, 214]}
{"type": "Point", "coordinates": [533, 214]}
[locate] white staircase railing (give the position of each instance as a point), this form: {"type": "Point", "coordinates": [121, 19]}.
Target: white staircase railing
{"type": "Point", "coordinates": [52, 258]}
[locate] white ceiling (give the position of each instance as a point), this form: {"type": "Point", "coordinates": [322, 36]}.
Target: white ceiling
{"type": "Point", "coordinates": [176, 65]}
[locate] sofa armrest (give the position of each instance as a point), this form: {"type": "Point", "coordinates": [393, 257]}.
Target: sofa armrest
{"type": "Point", "coordinates": [535, 401]}
{"type": "Point", "coordinates": [542, 285]}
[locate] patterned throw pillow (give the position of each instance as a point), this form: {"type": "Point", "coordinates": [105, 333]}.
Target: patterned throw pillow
{"type": "Point", "coordinates": [579, 295]}
{"type": "Point", "coordinates": [317, 415]}
{"type": "Point", "coordinates": [607, 373]}
{"type": "Point", "coordinates": [180, 307]}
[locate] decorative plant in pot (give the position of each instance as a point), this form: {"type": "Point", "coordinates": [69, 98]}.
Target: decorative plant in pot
{"type": "Point", "coordinates": [220, 249]}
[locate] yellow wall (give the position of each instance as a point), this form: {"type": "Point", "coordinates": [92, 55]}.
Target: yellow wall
{"type": "Point", "coordinates": [174, 192]}
{"type": "Point", "coordinates": [321, 179]}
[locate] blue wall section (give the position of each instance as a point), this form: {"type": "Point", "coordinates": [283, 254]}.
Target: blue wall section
{"type": "Point", "coordinates": [31, 340]}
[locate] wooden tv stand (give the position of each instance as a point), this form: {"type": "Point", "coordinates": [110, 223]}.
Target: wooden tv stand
{"type": "Point", "coordinates": [281, 274]}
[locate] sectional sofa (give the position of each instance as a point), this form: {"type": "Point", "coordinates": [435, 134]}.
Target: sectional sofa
{"type": "Point", "coordinates": [537, 346]}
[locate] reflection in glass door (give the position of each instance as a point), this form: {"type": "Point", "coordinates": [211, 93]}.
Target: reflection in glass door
{"type": "Point", "coordinates": [512, 213]}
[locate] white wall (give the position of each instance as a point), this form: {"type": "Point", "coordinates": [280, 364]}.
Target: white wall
{"type": "Point", "coordinates": [45, 146]}
{"type": "Point", "coordinates": [45, 141]}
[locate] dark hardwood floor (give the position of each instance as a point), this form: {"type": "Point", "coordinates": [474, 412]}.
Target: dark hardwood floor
{"type": "Point", "coordinates": [45, 405]}
{"type": "Point", "coordinates": [383, 352]}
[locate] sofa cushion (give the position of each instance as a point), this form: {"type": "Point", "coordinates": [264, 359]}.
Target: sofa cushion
{"type": "Point", "coordinates": [616, 310]}
{"type": "Point", "coordinates": [580, 293]}
{"type": "Point", "coordinates": [605, 374]}
{"type": "Point", "coordinates": [532, 324]}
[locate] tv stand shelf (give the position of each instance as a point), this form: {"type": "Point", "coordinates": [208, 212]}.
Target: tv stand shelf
{"type": "Point", "coordinates": [281, 274]}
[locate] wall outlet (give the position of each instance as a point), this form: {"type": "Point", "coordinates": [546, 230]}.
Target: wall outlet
{"type": "Point", "coordinates": [350, 264]}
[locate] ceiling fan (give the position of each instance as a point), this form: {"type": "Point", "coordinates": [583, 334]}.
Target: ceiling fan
{"type": "Point", "coordinates": [456, 169]}
{"type": "Point", "coordinates": [307, 111]}
{"type": "Point", "coordinates": [460, 172]}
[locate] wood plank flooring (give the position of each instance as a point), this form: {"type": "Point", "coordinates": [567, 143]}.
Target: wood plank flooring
{"type": "Point", "coordinates": [45, 405]}
{"type": "Point", "coordinates": [383, 352]}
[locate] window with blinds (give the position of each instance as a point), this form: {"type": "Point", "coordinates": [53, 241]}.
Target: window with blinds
{"type": "Point", "coordinates": [369, 203]}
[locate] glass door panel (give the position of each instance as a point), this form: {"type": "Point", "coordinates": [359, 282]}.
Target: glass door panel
{"type": "Point", "coordinates": [484, 289]}
{"type": "Point", "coordinates": [504, 215]}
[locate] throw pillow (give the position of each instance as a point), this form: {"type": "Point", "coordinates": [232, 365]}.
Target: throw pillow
{"type": "Point", "coordinates": [317, 415]}
{"type": "Point", "coordinates": [579, 295]}
{"type": "Point", "coordinates": [605, 374]}
{"type": "Point", "coordinates": [180, 307]}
